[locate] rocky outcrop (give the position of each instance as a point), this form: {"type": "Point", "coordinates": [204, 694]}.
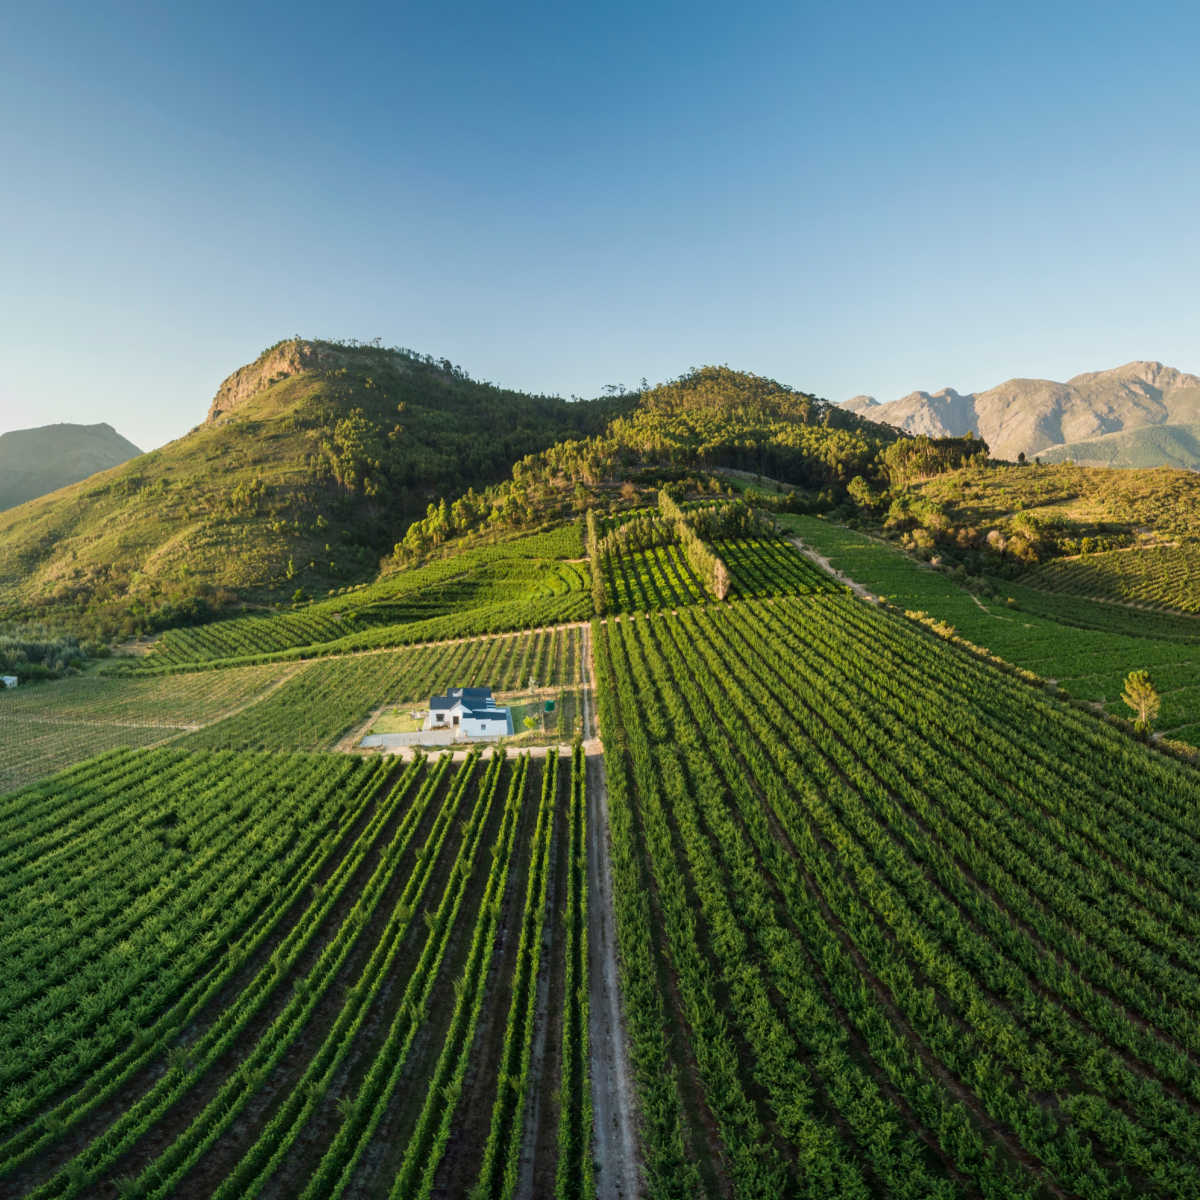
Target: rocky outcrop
{"type": "Point", "coordinates": [279, 362]}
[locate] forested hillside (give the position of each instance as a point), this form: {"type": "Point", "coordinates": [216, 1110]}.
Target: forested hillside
{"type": "Point", "coordinates": [709, 418]}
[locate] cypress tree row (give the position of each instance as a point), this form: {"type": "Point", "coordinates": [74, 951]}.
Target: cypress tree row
{"type": "Point", "coordinates": [593, 549]}
{"type": "Point", "coordinates": [704, 562]}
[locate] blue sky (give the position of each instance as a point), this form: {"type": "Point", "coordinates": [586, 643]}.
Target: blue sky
{"type": "Point", "coordinates": [850, 198]}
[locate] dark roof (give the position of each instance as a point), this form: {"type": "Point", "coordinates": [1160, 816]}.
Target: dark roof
{"type": "Point", "coordinates": [472, 698]}
{"type": "Point", "coordinates": [490, 714]}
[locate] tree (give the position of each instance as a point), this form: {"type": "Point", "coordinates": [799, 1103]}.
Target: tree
{"type": "Point", "coordinates": [1141, 696]}
{"type": "Point", "coordinates": [721, 580]}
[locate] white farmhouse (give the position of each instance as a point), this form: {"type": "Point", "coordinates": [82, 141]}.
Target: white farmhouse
{"type": "Point", "coordinates": [8, 680]}
{"type": "Point", "coordinates": [470, 713]}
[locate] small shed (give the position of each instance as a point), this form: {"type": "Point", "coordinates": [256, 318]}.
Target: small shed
{"type": "Point", "coordinates": [9, 681]}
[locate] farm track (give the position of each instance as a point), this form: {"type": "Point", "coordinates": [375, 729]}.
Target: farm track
{"type": "Point", "coordinates": [819, 559]}
{"type": "Point", "coordinates": [613, 1098]}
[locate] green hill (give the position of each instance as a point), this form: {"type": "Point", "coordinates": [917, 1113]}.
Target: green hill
{"type": "Point", "coordinates": [34, 462]}
{"type": "Point", "coordinates": [312, 462]}
{"type": "Point", "coordinates": [1150, 446]}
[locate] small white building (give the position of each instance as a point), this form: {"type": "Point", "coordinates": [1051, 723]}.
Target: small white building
{"type": "Point", "coordinates": [469, 713]}
{"type": "Point", "coordinates": [9, 680]}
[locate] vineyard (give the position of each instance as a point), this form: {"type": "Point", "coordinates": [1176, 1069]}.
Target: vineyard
{"type": "Point", "coordinates": [330, 697]}
{"type": "Point", "coordinates": [1087, 646]}
{"type": "Point", "coordinates": [1157, 576]}
{"type": "Point", "coordinates": [768, 567]}
{"type": "Point", "coordinates": [891, 921]}
{"type": "Point", "coordinates": [280, 706]}
{"type": "Point", "coordinates": [238, 975]}
{"type": "Point", "coordinates": [508, 586]}
{"type": "Point", "coordinates": [53, 725]}
{"type": "Point", "coordinates": [649, 580]}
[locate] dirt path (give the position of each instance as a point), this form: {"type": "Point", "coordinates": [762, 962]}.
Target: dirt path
{"type": "Point", "coordinates": [613, 1103]}
{"type": "Point", "coordinates": [825, 565]}
{"type": "Point", "coordinates": [591, 746]}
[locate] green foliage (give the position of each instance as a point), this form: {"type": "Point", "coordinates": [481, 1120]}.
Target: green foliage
{"type": "Point", "coordinates": [912, 458]}
{"type": "Point", "coordinates": [1141, 696]}
{"type": "Point", "coordinates": [1156, 576]}
{"type": "Point", "coordinates": [1087, 647]}
{"type": "Point", "coordinates": [706, 566]}
{"type": "Point", "coordinates": [599, 605]}
{"type": "Point", "coordinates": [33, 651]}
{"type": "Point", "coordinates": [485, 589]}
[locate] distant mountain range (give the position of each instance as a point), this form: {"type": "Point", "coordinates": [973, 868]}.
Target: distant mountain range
{"type": "Point", "coordinates": [34, 462]}
{"type": "Point", "coordinates": [1061, 420]}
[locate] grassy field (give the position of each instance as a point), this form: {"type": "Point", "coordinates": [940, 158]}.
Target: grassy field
{"type": "Point", "coordinates": [1087, 648]}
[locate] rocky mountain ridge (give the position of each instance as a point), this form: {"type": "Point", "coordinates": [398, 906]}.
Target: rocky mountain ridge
{"type": "Point", "coordinates": [1028, 416]}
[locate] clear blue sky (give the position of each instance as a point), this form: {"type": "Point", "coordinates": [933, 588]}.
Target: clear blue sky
{"type": "Point", "coordinates": [867, 197]}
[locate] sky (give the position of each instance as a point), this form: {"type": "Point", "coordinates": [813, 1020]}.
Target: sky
{"type": "Point", "coordinates": [864, 197]}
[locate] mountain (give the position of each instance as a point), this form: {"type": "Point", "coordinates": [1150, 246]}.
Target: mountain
{"type": "Point", "coordinates": [1029, 415]}
{"type": "Point", "coordinates": [36, 461]}
{"type": "Point", "coordinates": [310, 465]}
